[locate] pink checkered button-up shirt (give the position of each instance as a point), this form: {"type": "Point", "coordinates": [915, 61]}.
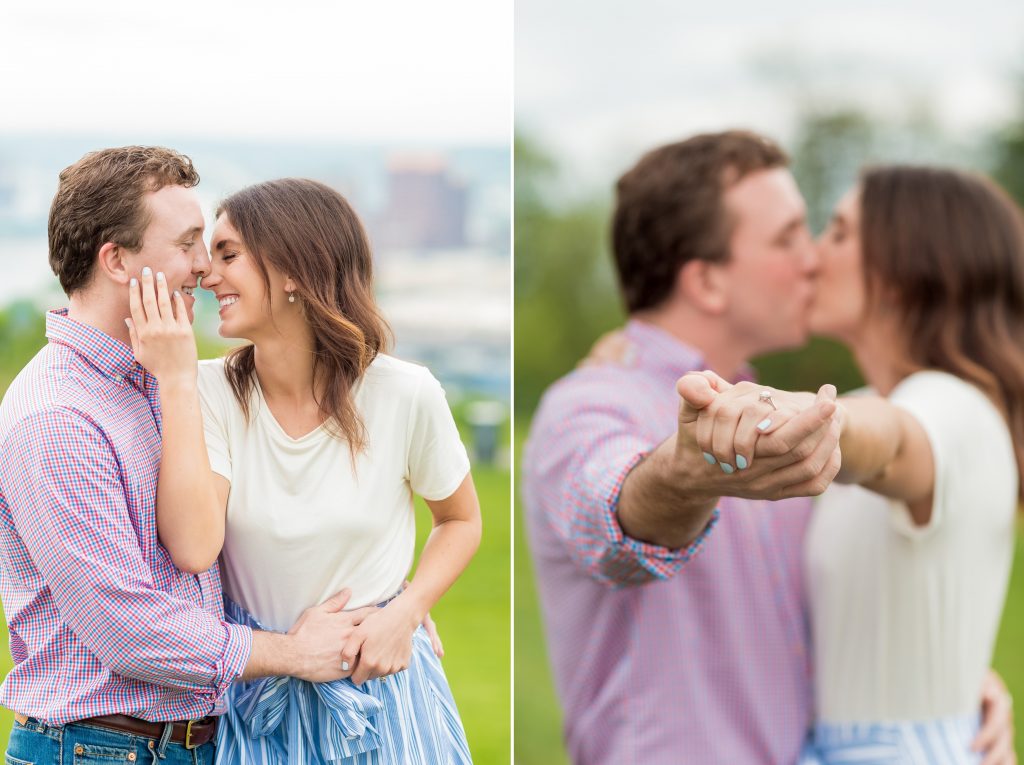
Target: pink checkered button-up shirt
{"type": "Point", "coordinates": [661, 656]}
{"type": "Point", "coordinates": [100, 620]}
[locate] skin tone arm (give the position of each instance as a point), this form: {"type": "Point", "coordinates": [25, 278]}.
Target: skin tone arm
{"type": "Point", "coordinates": [886, 450]}
{"type": "Point", "coordinates": [382, 643]}
{"type": "Point", "coordinates": [883, 447]}
{"type": "Point", "coordinates": [191, 500]}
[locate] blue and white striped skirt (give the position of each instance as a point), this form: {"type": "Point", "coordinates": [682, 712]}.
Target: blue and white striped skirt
{"type": "Point", "coordinates": [945, 741]}
{"type": "Point", "coordinates": [408, 717]}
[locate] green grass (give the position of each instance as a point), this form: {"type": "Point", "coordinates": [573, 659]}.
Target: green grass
{"type": "Point", "coordinates": [538, 739]}
{"type": "Point", "coordinates": [473, 620]}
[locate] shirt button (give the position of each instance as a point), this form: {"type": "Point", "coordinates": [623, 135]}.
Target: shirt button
{"type": "Point", "coordinates": [79, 749]}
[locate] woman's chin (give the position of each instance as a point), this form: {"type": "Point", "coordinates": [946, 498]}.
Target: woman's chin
{"type": "Point", "coordinates": [820, 324]}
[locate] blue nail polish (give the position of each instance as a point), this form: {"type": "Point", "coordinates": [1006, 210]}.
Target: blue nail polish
{"type": "Point", "coordinates": [135, 282]}
{"type": "Point", "coordinates": [741, 462]}
{"type": "Point", "coordinates": [764, 424]}
{"type": "Point", "coordinates": [160, 275]}
{"type": "Point", "coordinates": [727, 468]}
{"type": "Point", "coordinates": [146, 271]}
{"type": "Point", "coordinates": [709, 458]}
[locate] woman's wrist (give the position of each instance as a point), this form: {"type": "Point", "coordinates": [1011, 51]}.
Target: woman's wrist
{"type": "Point", "coordinates": [409, 602]}
{"type": "Point", "coordinates": [178, 383]}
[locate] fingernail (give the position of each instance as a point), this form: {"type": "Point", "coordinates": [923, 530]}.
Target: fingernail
{"type": "Point", "coordinates": [727, 468]}
{"type": "Point", "coordinates": [709, 458]}
{"type": "Point", "coordinates": [135, 282]}
{"type": "Point", "coordinates": [764, 424]}
{"type": "Point", "coordinates": [160, 275]}
{"type": "Point", "coordinates": [741, 462]}
{"type": "Point", "coordinates": [128, 323]}
{"type": "Point", "coordinates": [344, 666]}
{"type": "Point", "coordinates": [177, 294]}
{"type": "Point", "coordinates": [146, 271]}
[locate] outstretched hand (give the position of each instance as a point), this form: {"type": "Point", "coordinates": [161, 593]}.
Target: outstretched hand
{"type": "Point", "coordinates": [768, 450]}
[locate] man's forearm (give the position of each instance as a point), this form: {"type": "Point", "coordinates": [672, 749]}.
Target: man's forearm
{"type": "Point", "coordinates": [661, 502]}
{"type": "Point", "coordinates": [273, 654]}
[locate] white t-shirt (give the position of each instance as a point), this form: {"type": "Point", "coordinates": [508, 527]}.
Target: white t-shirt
{"type": "Point", "coordinates": [301, 523]}
{"type": "Point", "coordinates": [905, 617]}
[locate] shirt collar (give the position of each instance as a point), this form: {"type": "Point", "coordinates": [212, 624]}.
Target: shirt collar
{"type": "Point", "coordinates": [659, 350]}
{"type": "Point", "coordinates": [110, 357]}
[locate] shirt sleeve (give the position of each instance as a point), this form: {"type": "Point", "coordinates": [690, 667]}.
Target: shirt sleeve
{"type": "Point", "coordinates": [574, 466]}
{"type": "Point", "coordinates": [437, 461]}
{"type": "Point", "coordinates": [212, 394]}
{"type": "Point", "coordinates": [67, 500]}
{"type": "Point", "coordinates": [971, 446]}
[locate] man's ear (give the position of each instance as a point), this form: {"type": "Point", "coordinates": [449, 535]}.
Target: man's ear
{"type": "Point", "coordinates": [111, 263]}
{"type": "Point", "coordinates": [704, 285]}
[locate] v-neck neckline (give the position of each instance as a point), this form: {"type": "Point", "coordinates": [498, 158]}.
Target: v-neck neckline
{"type": "Point", "coordinates": [268, 414]}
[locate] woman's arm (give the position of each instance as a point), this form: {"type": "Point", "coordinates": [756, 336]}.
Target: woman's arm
{"type": "Point", "coordinates": [190, 498]}
{"type": "Point", "coordinates": [886, 450]}
{"type": "Point", "coordinates": [382, 644]}
{"type": "Point", "coordinates": [883, 447]}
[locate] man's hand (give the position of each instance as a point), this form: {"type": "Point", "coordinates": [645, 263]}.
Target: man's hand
{"type": "Point", "coordinates": [668, 498]}
{"type": "Point", "coordinates": [611, 348]}
{"type": "Point", "coordinates": [752, 449]}
{"type": "Point", "coordinates": [321, 633]}
{"type": "Point", "coordinates": [995, 739]}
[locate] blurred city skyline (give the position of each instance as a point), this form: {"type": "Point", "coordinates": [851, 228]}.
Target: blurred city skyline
{"type": "Point", "coordinates": [404, 107]}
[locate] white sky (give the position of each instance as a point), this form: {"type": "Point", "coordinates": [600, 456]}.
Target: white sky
{"type": "Point", "coordinates": [429, 71]}
{"type": "Point", "coordinates": [598, 82]}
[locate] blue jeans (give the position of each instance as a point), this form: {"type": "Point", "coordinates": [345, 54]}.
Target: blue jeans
{"type": "Point", "coordinates": [36, 743]}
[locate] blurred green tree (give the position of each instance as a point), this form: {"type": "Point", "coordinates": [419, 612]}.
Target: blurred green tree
{"type": "Point", "coordinates": [565, 293]}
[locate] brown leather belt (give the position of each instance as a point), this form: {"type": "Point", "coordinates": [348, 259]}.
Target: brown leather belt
{"type": "Point", "coordinates": [189, 733]}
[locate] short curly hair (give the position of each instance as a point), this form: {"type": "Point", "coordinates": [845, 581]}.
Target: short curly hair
{"type": "Point", "coordinates": [100, 199]}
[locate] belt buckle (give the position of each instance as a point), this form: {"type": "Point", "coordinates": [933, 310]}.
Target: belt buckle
{"type": "Point", "coordinates": [188, 735]}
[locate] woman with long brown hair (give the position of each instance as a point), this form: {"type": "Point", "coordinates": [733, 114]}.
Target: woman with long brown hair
{"type": "Point", "coordinates": [301, 472]}
{"type": "Point", "coordinates": [922, 275]}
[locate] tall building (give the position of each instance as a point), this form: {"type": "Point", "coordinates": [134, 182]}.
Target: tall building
{"type": "Point", "coordinates": [426, 207]}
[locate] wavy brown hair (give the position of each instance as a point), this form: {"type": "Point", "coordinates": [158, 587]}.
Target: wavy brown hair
{"type": "Point", "coordinates": [308, 231]}
{"type": "Point", "coordinates": [949, 246]}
